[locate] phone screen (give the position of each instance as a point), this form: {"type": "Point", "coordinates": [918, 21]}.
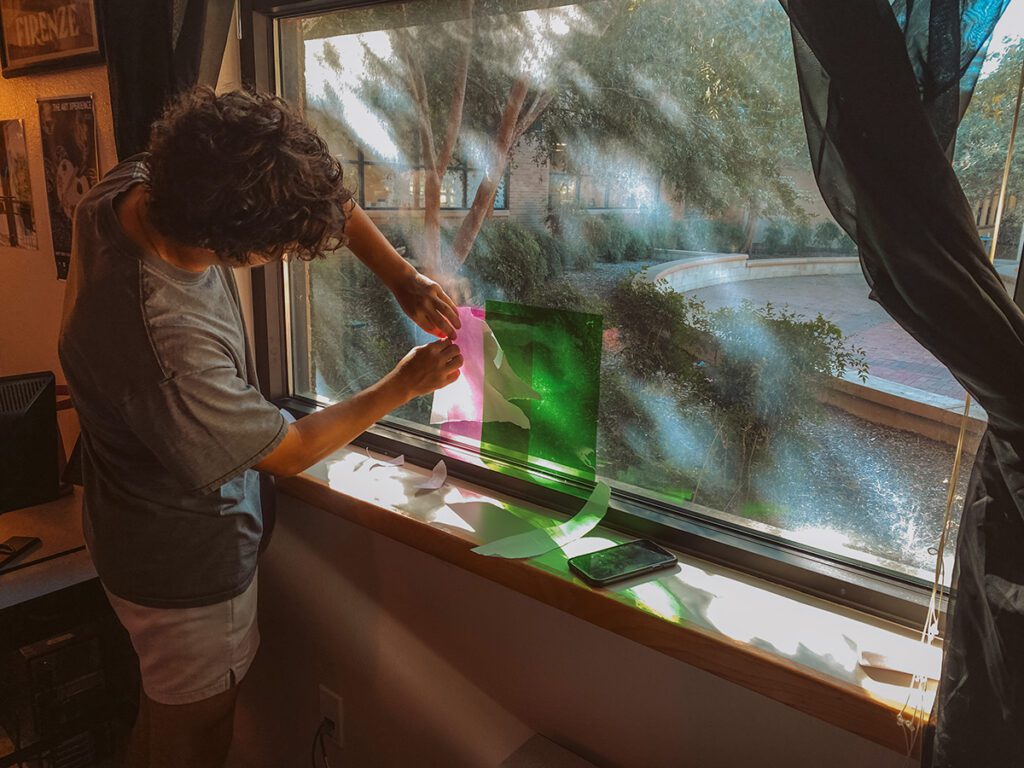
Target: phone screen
{"type": "Point", "coordinates": [621, 561]}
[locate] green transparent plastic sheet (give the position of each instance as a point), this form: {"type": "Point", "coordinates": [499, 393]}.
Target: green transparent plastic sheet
{"type": "Point", "coordinates": [543, 540]}
{"type": "Point", "coordinates": [557, 355]}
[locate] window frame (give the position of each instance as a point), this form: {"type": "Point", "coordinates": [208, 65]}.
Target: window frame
{"type": "Point", "coordinates": [841, 580]}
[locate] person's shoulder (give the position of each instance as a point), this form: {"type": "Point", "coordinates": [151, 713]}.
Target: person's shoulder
{"type": "Point", "coordinates": [117, 180]}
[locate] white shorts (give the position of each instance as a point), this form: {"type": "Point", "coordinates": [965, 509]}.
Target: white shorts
{"type": "Point", "coordinates": [190, 654]}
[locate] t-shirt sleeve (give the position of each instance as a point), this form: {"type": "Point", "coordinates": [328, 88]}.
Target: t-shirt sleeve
{"type": "Point", "coordinates": [206, 427]}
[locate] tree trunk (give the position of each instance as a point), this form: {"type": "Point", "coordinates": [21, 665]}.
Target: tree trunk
{"type": "Point", "coordinates": [431, 261]}
{"type": "Point", "coordinates": [750, 229]}
{"type": "Point", "coordinates": [500, 148]}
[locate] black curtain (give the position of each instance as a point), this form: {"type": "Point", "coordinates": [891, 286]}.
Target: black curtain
{"type": "Point", "coordinates": [154, 49]}
{"type": "Point", "coordinates": [883, 88]}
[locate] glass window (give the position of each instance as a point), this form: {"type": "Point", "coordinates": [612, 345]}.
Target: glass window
{"type": "Point", "coordinates": [388, 186]}
{"type": "Point", "coordinates": [983, 143]}
{"type": "Point", "coordinates": [706, 301]}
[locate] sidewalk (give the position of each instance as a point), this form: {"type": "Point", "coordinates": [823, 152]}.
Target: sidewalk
{"type": "Point", "coordinates": [891, 352]}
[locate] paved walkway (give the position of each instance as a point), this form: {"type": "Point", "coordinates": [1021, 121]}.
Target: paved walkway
{"type": "Point", "coordinates": [890, 351]}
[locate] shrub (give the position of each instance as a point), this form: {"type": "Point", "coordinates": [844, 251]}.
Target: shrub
{"type": "Point", "coordinates": [800, 237]}
{"type": "Point", "coordinates": [750, 373]}
{"type": "Point", "coordinates": [561, 294]}
{"type": "Point", "coordinates": [709, 236]}
{"type": "Point", "coordinates": [827, 235]}
{"type": "Point", "coordinates": [774, 237]}
{"type": "Point", "coordinates": [507, 257]}
{"type": "Point", "coordinates": [660, 330]}
{"type": "Point", "coordinates": [557, 253]}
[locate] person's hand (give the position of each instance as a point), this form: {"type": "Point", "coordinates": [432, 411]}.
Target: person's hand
{"type": "Point", "coordinates": [428, 367]}
{"type": "Point", "coordinates": [426, 303]}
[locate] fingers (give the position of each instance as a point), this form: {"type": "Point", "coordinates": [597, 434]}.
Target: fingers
{"type": "Point", "coordinates": [444, 326]}
{"type": "Point", "coordinates": [447, 315]}
{"type": "Point", "coordinates": [450, 308]}
{"type": "Point", "coordinates": [443, 346]}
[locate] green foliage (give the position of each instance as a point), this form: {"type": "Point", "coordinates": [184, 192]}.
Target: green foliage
{"type": "Point", "coordinates": [800, 237]}
{"type": "Point", "coordinates": [699, 96]}
{"type": "Point", "coordinates": [588, 238]}
{"type": "Point", "coordinates": [751, 373]}
{"type": "Point", "coordinates": [982, 136]}
{"type": "Point", "coordinates": [660, 331]}
{"type": "Point", "coordinates": [507, 258]}
{"type": "Point", "coordinates": [771, 363]}
{"type": "Point", "coordinates": [709, 236]}
{"type": "Point", "coordinates": [827, 235]}
{"type": "Point", "coordinates": [775, 237]}
{"type": "Point", "coordinates": [561, 294]}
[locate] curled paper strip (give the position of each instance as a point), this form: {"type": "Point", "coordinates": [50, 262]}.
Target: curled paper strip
{"type": "Point", "coordinates": [543, 540]}
{"type": "Point", "coordinates": [397, 461]}
{"type": "Point", "coordinates": [437, 478]}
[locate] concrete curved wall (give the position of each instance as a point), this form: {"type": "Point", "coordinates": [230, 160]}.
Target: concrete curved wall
{"type": "Point", "coordinates": [693, 270]}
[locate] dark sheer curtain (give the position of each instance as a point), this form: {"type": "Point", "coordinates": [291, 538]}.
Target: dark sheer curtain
{"type": "Point", "coordinates": [883, 88]}
{"type": "Point", "coordinates": [154, 49]}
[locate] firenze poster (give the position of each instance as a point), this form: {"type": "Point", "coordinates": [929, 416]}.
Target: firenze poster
{"type": "Point", "coordinates": [68, 128]}
{"type": "Point", "coordinates": [17, 217]}
{"type": "Point", "coordinates": [47, 34]}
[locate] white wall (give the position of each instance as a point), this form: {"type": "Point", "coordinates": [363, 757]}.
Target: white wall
{"type": "Point", "coordinates": [438, 667]}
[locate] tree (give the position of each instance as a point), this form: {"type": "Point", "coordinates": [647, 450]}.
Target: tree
{"type": "Point", "coordinates": [701, 94]}
{"type": "Point", "coordinates": [983, 133]}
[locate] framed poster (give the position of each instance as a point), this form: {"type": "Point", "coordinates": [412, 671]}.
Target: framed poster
{"type": "Point", "coordinates": [17, 216]}
{"type": "Point", "coordinates": [48, 34]}
{"type": "Point", "coordinates": [68, 128]}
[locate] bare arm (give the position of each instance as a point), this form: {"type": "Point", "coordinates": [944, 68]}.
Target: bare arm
{"type": "Point", "coordinates": [422, 299]}
{"type": "Point", "coordinates": [318, 435]}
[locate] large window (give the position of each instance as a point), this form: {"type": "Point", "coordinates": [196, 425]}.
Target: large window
{"type": "Point", "coordinates": [740, 373]}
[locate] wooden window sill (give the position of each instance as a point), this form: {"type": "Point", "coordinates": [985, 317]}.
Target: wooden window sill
{"type": "Point", "coordinates": [796, 649]}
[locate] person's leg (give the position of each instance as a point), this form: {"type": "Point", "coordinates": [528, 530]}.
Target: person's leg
{"type": "Point", "coordinates": [196, 735]}
{"type": "Point", "coordinates": [137, 755]}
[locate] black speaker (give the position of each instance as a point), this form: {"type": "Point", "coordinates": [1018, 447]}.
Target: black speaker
{"type": "Point", "coordinates": [28, 440]}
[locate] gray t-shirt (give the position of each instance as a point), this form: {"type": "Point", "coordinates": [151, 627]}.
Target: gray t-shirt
{"type": "Point", "coordinates": [163, 380]}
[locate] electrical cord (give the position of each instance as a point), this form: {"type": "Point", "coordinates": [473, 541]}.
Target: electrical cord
{"type": "Point", "coordinates": [318, 741]}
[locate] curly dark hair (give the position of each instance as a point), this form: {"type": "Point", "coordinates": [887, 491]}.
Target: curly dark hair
{"type": "Point", "coordinates": [241, 173]}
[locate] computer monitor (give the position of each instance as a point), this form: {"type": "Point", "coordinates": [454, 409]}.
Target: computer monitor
{"type": "Point", "coordinates": [28, 440]}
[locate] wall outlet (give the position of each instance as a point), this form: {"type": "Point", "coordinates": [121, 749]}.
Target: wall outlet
{"type": "Point", "coordinates": [330, 709]}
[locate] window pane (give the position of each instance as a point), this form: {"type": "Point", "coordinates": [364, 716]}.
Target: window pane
{"type": "Point", "coordinates": [662, 184]}
{"type": "Point", "coordinates": [982, 144]}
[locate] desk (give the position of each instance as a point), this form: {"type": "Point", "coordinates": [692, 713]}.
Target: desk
{"type": "Point", "coordinates": [61, 561]}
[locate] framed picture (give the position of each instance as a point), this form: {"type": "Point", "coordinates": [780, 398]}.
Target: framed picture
{"type": "Point", "coordinates": [17, 215]}
{"type": "Point", "coordinates": [68, 128]}
{"type": "Point", "coordinates": [48, 34]}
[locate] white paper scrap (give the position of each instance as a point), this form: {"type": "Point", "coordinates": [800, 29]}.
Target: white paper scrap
{"type": "Point", "coordinates": [543, 540]}
{"type": "Point", "coordinates": [437, 478]}
{"type": "Point", "coordinates": [397, 461]}
{"type": "Point", "coordinates": [921, 659]}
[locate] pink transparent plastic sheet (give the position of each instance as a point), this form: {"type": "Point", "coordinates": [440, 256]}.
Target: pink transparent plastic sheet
{"type": "Point", "coordinates": [485, 387]}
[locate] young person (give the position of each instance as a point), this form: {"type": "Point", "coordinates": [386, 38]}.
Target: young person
{"type": "Point", "coordinates": [173, 424]}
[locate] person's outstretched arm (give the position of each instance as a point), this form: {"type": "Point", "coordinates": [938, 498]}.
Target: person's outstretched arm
{"type": "Point", "coordinates": [422, 299]}
{"type": "Point", "coordinates": [319, 434]}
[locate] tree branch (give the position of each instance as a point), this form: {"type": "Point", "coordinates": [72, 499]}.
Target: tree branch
{"type": "Point", "coordinates": [444, 154]}
{"type": "Point", "coordinates": [540, 103]}
{"type": "Point", "coordinates": [418, 90]}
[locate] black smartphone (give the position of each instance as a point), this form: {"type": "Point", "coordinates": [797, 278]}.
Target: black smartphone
{"type": "Point", "coordinates": [622, 561]}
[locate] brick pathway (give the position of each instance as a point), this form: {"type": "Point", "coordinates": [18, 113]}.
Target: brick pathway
{"type": "Point", "coordinates": [890, 351]}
